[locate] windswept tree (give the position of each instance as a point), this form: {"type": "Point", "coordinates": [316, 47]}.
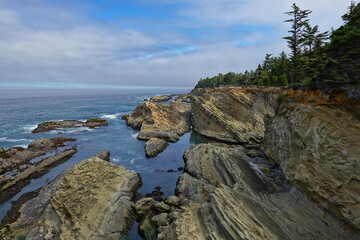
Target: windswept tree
{"type": "Point", "coordinates": [298, 21]}
{"type": "Point", "coordinates": [311, 38]}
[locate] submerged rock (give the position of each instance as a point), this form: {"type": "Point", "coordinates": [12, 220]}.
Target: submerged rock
{"type": "Point", "coordinates": [315, 138]}
{"type": "Point", "coordinates": [234, 115]}
{"type": "Point", "coordinates": [91, 200]}
{"type": "Point", "coordinates": [49, 126]}
{"type": "Point", "coordinates": [224, 197]}
{"type": "Point", "coordinates": [166, 121]}
{"type": "Point", "coordinates": [104, 155]}
{"type": "Point", "coordinates": [155, 146]}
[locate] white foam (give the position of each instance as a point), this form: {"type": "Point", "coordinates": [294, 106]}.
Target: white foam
{"type": "Point", "coordinates": [71, 130]}
{"type": "Point", "coordinates": [110, 116]}
{"type": "Point", "coordinates": [29, 128]}
{"type": "Point", "coordinates": [134, 135]}
{"type": "Point", "coordinates": [5, 139]}
{"type": "Point", "coordinates": [115, 159]}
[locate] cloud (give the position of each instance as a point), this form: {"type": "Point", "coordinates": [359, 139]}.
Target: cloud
{"type": "Point", "coordinates": [46, 43]}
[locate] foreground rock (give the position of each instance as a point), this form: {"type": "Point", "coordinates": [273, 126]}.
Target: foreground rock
{"type": "Point", "coordinates": [315, 138]}
{"type": "Point", "coordinates": [234, 115]}
{"type": "Point", "coordinates": [155, 146]}
{"type": "Point", "coordinates": [91, 200]}
{"type": "Point", "coordinates": [167, 121]}
{"type": "Point", "coordinates": [225, 194]}
{"type": "Point", "coordinates": [90, 123]}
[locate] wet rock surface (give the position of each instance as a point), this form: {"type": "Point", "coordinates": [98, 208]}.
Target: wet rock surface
{"type": "Point", "coordinates": [166, 121]}
{"type": "Point", "coordinates": [155, 146]}
{"type": "Point", "coordinates": [315, 138]}
{"type": "Point", "coordinates": [233, 115]}
{"type": "Point", "coordinates": [90, 123]}
{"type": "Point", "coordinates": [91, 200]}
{"type": "Point", "coordinates": [224, 196]}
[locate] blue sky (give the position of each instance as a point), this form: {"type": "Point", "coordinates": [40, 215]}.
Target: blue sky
{"type": "Point", "coordinates": [142, 43]}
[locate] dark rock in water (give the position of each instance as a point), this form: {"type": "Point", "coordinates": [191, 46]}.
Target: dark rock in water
{"type": "Point", "coordinates": [49, 126]}
{"type": "Point", "coordinates": [170, 170]}
{"type": "Point", "coordinates": [76, 205]}
{"type": "Point", "coordinates": [155, 146]}
{"type": "Point", "coordinates": [158, 188]}
{"type": "Point", "coordinates": [148, 195]}
{"type": "Point", "coordinates": [158, 198]}
{"type": "Point", "coordinates": [104, 155]}
{"type": "Point", "coordinates": [157, 193]}
{"type": "Point", "coordinates": [180, 169]}
{"type": "Point", "coordinates": [125, 116]}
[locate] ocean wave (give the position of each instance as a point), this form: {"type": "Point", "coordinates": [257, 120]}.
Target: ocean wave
{"type": "Point", "coordinates": [5, 139]}
{"type": "Point", "coordinates": [71, 130]}
{"type": "Point", "coordinates": [110, 116]}
{"type": "Point", "coordinates": [134, 135]}
{"type": "Point", "coordinates": [29, 128]}
{"type": "Point", "coordinates": [115, 160]}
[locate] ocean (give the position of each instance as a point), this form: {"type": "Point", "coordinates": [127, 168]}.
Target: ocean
{"type": "Point", "coordinates": [21, 111]}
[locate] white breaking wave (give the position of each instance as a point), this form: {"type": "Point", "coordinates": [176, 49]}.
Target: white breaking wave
{"type": "Point", "coordinates": [134, 135]}
{"type": "Point", "coordinates": [5, 139]}
{"type": "Point", "coordinates": [115, 160]}
{"type": "Point", "coordinates": [110, 116]}
{"type": "Point", "coordinates": [29, 128]}
{"type": "Point", "coordinates": [71, 130]}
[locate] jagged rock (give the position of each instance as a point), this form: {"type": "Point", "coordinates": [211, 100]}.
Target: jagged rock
{"type": "Point", "coordinates": [166, 121]}
{"type": "Point", "coordinates": [155, 146]}
{"type": "Point", "coordinates": [183, 98]}
{"type": "Point", "coordinates": [173, 201]}
{"type": "Point", "coordinates": [144, 205]}
{"type": "Point", "coordinates": [91, 200]}
{"type": "Point", "coordinates": [315, 138]}
{"type": "Point", "coordinates": [104, 155]}
{"type": "Point", "coordinates": [163, 98]}
{"type": "Point", "coordinates": [162, 207]}
{"type": "Point", "coordinates": [234, 115]}
{"type": "Point", "coordinates": [49, 126]}
{"type": "Point", "coordinates": [161, 219]}
{"type": "Point", "coordinates": [223, 197]}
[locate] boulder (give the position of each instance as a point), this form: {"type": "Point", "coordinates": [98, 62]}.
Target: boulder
{"type": "Point", "coordinates": [173, 201]}
{"type": "Point", "coordinates": [162, 207]}
{"type": "Point", "coordinates": [142, 206]}
{"type": "Point", "coordinates": [49, 126]}
{"type": "Point", "coordinates": [315, 138]}
{"type": "Point", "coordinates": [233, 115]}
{"type": "Point", "coordinates": [155, 146]}
{"type": "Point", "coordinates": [104, 155]}
{"type": "Point", "coordinates": [223, 196]}
{"type": "Point", "coordinates": [147, 229]}
{"type": "Point", "coordinates": [166, 121]}
{"type": "Point", "coordinates": [161, 219]}
{"type": "Point", "coordinates": [91, 200]}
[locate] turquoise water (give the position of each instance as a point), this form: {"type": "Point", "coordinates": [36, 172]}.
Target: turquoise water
{"type": "Point", "coordinates": [20, 113]}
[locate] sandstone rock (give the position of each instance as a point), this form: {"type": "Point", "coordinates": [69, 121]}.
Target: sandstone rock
{"type": "Point", "coordinates": [91, 200]}
{"type": "Point", "coordinates": [315, 138]}
{"type": "Point", "coordinates": [162, 207]}
{"type": "Point", "coordinates": [163, 98]}
{"type": "Point", "coordinates": [147, 229]}
{"type": "Point", "coordinates": [144, 205]}
{"type": "Point", "coordinates": [155, 146]}
{"type": "Point", "coordinates": [167, 121]}
{"type": "Point", "coordinates": [183, 98]}
{"type": "Point", "coordinates": [234, 115]}
{"type": "Point", "coordinates": [224, 198]}
{"type": "Point", "coordinates": [161, 219]}
{"type": "Point", "coordinates": [104, 155]}
{"type": "Point", "coordinates": [173, 201]}
{"type": "Point", "coordinates": [49, 126]}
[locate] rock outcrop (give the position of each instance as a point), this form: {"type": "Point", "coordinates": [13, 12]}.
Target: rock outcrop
{"type": "Point", "coordinates": [155, 146]}
{"type": "Point", "coordinates": [225, 194]}
{"type": "Point", "coordinates": [315, 137]}
{"type": "Point", "coordinates": [163, 98]}
{"type": "Point", "coordinates": [233, 115]}
{"type": "Point", "coordinates": [91, 200]}
{"type": "Point", "coordinates": [49, 126]}
{"type": "Point", "coordinates": [166, 121]}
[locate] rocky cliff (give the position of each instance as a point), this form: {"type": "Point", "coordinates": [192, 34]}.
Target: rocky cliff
{"type": "Point", "coordinates": [315, 137]}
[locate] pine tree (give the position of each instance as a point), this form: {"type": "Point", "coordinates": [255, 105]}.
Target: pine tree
{"type": "Point", "coordinates": [312, 39]}
{"type": "Point", "coordinates": [298, 20]}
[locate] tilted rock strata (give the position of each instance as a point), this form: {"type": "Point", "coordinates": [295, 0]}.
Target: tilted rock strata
{"type": "Point", "coordinates": [166, 121]}
{"type": "Point", "coordinates": [49, 126]}
{"type": "Point", "coordinates": [91, 200]}
{"type": "Point", "coordinates": [224, 198]}
{"type": "Point", "coordinates": [315, 138]}
{"type": "Point", "coordinates": [234, 115]}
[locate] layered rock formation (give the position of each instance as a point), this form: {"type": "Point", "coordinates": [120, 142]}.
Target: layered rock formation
{"type": "Point", "coordinates": [90, 123]}
{"type": "Point", "coordinates": [315, 138]}
{"type": "Point", "coordinates": [163, 98]}
{"type": "Point", "coordinates": [234, 115]}
{"type": "Point", "coordinates": [91, 200]}
{"type": "Point", "coordinates": [155, 146]}
{"type": "Point", "coordinates": [225, 195]}
{"type": "Point", "coordinates": [166, 121]}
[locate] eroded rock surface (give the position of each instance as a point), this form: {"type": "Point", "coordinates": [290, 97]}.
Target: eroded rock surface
{"type": "Point", "coordinates": [167, 121]}
{"type": "Point", "coordinates": [163, 98]}
{"type": "Point", "coordinates": [155, 146]}
{"type": "Point", "coordinates": [234, 115]}
{"type": "Point", "coordinates": [49, 126]}
{"type": "Point", "coordinates": [315, 137]}
{"type": "Point", "coordinates": [91, 200]}
{"type": "Point", "coordinates": [224, 196]}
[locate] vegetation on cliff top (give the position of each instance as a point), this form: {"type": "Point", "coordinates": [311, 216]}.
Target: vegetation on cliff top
{"type": "Point", "coordinates": [316, 59]}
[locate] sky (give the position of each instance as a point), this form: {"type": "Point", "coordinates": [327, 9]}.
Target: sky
{"type": "Point", "coordinates": [114, 44]}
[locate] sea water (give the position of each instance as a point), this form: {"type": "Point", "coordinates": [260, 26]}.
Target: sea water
{"type": "Point", "coordinates": [21, 111]}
